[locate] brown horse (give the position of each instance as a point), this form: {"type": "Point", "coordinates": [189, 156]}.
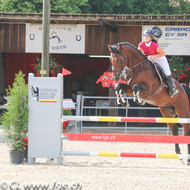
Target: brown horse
{"type": "Point", "coordinates": [146, 84]}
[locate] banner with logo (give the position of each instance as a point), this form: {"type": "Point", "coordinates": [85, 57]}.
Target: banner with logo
{"type": "Point", "coordinates": [64, 38]}
{"type": "Point", "coordinates": [174, 40]}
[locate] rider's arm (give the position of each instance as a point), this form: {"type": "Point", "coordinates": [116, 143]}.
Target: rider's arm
{"type": "Point", "coordinates": [160, 53]}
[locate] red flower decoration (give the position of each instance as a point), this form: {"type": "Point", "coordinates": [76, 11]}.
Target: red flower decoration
{"type": "Point", "coordinates": [107, 80]}
{"type": "Point", "coordinates": [54, 67]}
{"type": "Point", "coordinates": [65, 123]}
{"type": "Point", "coordinates": [26, 141]}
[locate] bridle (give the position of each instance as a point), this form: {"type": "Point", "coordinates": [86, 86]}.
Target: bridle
{"type": "Point", "coordinates": [122, 61]}
{"type": "Point", "coordinates": [127, 70]}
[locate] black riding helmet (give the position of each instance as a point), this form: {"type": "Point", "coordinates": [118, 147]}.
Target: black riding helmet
{"type": "Point", "coordinates": [149, 32]}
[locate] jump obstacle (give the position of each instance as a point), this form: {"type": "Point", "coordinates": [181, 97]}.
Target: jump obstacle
{"type": "Point", "coordinates": [45, 116]}
{"type": "Point", "coordinates": [127, 138]}
{"type": "Point", "coordinates": [126, 154]}
{"type": "Point", "coordinates": [126, 119]}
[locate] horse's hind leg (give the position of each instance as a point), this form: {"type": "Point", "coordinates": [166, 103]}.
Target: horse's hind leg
{"type": "Point", "coordinates": [182, 110]}
{"type": "Point", "coordinates": [169, 112]}
{"type": "Point", "coordinates": [175, 133]}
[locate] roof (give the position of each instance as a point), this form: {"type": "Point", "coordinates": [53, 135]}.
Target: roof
{"type": "Point", "coordinates": [116, 19]}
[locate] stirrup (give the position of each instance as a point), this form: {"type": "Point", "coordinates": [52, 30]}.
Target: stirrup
{"type": "Point", "coordinates": [174, 92]}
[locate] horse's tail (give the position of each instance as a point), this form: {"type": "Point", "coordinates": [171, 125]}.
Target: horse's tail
{"type": "Point", "coordinates": [187, 90]}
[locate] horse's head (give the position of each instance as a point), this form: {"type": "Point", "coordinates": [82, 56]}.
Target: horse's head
{"type": "Point", "coordinates": [118, 60]}
{"type": "Point", "coordinates": [124, 56]}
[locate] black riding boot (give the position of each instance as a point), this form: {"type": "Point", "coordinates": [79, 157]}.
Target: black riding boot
{"type": "Point", "coordinates": [173, 91]}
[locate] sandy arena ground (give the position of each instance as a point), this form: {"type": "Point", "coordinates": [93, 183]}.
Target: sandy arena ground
{"type": "Point", "coordinates": [101, 173]}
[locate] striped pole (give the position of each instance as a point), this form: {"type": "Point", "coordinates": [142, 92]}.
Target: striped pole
{"type": "Point", "coordinates": [126, 119]}
{"type": "Point", "coordinates": [128, 138]}
{"type": "Point", "coordinates": [126, 154]}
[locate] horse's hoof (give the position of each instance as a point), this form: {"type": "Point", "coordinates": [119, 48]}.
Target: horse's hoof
{"type": "Point", "coordinates": [124, 104]}
{"type": "Point", "coordinates": [182, 161]}
{"type": "Point", "coordinates": [142, 103]}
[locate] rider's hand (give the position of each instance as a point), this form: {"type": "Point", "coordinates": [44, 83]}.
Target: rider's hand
{"type": "Point", "coordinates": [150, 56]}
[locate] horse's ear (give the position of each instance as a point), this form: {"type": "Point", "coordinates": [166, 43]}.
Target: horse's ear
{"type": "Point", "coordinates": [119, 47]}
{"type": "Point", "coordinates": [109, 47]}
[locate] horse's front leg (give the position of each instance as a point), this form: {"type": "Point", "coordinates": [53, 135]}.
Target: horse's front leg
{"type": "Point", "coordinates": [182, 110]}
{"type": "Point", "coordinates": [137, 89]}
{"type": "Point", "coordinates": [120, 88]}
{"type": "Point", "coordinates": [188, 160]}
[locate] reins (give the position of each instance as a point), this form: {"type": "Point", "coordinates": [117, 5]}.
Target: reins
{"type": "Point", "coordinates": [130, 69]}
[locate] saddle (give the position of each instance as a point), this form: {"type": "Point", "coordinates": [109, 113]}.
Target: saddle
{"type": "Point", "coordinates": [159, 71]}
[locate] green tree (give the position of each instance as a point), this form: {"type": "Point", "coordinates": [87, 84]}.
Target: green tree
{"type": "Point", "coordinates": [35, 6]}
{"type": "Point", "coordinates": [136, 7]}
{"type": "Point", "coordinates": [67, 6]}
{"type": "Point", "coordinates": [14, 121]}
{"type": "Point", "coordinates": [183, 7]}
{"type": "Point", "coordinates": [99, 6]}
{"type": "Point", "coordinates": [31, 6]}
{"type": "Point", "coordinates": [108, 7]}
{"type": "Point", "coordinates": [153, 7]}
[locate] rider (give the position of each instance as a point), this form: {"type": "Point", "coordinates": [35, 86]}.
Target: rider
{"type": "Point", "coordinates": [151, 48]}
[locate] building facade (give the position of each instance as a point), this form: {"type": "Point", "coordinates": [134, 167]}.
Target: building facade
{"type": "Point", "coordinates": [79, 44]}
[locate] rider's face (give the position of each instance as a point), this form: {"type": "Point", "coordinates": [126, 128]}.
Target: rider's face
{"type": "Point", "coordinates": [147, 38]}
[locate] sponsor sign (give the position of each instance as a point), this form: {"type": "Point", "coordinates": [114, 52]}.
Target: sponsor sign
{"type": "Point", "coordinates": [44, 94]}
{"type": "Point", "coordinates": [64, 38]}
{"type": "Point", "coordinates": [68, 104]}
{"type": "Point", "coordinates": [174, 40]}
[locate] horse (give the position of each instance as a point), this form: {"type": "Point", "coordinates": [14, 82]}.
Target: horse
{"type": "Point", "coordinates": [144, 81]}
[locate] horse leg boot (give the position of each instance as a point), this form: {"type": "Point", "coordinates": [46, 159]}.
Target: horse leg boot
{"type": "Point", "coordinates": [173, 91]}
{"type": "Point", "coordinates": [120, 100]}
{"type": "Point", "coordinates": [136, 91]}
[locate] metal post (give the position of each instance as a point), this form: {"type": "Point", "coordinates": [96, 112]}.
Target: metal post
{"type": "Point", "coordinates": [126, 123]}
{"type": "Point", "coordinates": [81, 113]}
{"type": "Point", "coordinates": [45, 47]}
{"type": "Point", "coordinates": [78, 106]}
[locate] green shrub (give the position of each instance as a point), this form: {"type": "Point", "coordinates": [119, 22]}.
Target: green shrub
{"type": "Point", "coordinates": [14, 121]}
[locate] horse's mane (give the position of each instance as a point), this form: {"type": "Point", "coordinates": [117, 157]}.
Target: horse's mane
{"type": "Point", "coordinates": [114, 48]}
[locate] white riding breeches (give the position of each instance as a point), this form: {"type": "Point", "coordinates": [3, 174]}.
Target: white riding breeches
{"type": "Point", "coordinates": [163, 62]}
